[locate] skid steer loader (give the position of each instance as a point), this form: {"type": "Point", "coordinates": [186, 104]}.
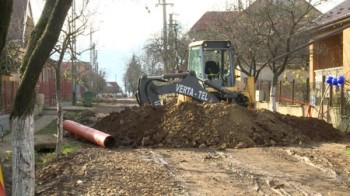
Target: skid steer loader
{"type": "Point", "coordinates": [210, 77]}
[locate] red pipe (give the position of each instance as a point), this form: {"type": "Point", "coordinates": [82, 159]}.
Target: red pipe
{"type": "Point", "coordinates": [93, 135]}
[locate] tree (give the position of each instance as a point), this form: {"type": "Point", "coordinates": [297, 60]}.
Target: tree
{"type": "Point", "coordinates": [43, 39]}
{"type": "Point", "coordinates": [279, 25]}
{"type": "Point", "coordinates": [132, 74]}
{"type": "Point", "coordinates": [68, 35]}
{"type": "Point", "coordinates": [156, 60]}
{"type": "Point", "coordinates": [264, 31]}
{"type": "Point", "coordinates": [246, 44]}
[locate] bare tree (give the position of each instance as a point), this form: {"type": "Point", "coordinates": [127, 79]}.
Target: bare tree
{"type": "Point", "coordinates": [81, 17]}
{"type": "Point", "coordinates": [132, 74]}
{"type": "Point", "coordinates": [172, 59]}
{"type": "Point", "coordinates": [246, 44]}
{"type": "Point", "coordinates": [152, 57]}
{"type": "Point", "coordinates": [43, 39]}
{"type": "Point", "coordinates": [278, 25]}
{"type": "Point", "coordinates": [264, 31]}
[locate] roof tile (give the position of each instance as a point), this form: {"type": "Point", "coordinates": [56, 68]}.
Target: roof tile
{"type": "Point", "coordinates": [340, 12]}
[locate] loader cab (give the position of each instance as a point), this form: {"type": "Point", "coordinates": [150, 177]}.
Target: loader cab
{"type": "Point", "coordinates": [212, 60]}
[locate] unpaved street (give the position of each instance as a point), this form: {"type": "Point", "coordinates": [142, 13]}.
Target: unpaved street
{"type": "Point", "coordinates": [315, 170]}
{"type": "Point", "coordinates": [257, 153]}
{"type": "Point", "coordinates": [200, 150]}
{"type": "Point", "coordinates": [257, 171]}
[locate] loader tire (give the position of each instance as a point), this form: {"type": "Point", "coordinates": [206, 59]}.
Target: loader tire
{"type": "Point", "coordinates": [242, 100]}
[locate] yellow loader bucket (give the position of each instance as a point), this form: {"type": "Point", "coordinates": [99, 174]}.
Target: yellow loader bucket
{"type": "Point", "coordinates": [2, 183]}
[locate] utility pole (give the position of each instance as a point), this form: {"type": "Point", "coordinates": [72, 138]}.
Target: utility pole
{"type": "Point", "coordinates": [92, 48]}
{"type": "Point", "coordinates": [96, 69]}
{"type": "Point", "coordinates": [94, 65]}
{"type": "Point", "coordinates": [165, 34]}
{"type": "Point", "coordinates": [73, 57]}
{"type": "Point", "coordinates": [173, 40]}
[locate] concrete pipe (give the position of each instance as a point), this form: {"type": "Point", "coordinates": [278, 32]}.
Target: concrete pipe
{"type": "Point", "coordinates": [93, 135]}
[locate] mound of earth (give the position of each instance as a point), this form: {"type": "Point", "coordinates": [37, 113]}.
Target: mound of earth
{"type": "Point", "coordinates": [212, 125]}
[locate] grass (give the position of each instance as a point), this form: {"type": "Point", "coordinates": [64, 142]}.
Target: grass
{"type": "Point", "coordinates": [79, 103]}
{"type": "Point", "coordinates": [49, 129]}
{"type": "Point", "coordinates": [347, 152]}
{"type": "Point", "coordinates": [73, 115]}
{"type": "Point", "coordinates": [69, 148]}
{"type": "Point", "coordinates": [6, 132]}
{"type": "Point", "coordinates": [42, 159]}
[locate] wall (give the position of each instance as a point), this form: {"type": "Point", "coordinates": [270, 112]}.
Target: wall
{"type": "Point", "coordinates": [334, 116]}
{"type": "Point", "coordinates": [8, 92]}
{"type": "Point", "coordinates": [328, 53]}
{"type": "Point", "coordinates": [288, 74]}
{"type": "Point", "coordinates": [346, 55]}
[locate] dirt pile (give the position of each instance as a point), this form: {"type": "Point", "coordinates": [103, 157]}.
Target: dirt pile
{"type": "Point", "coordinates": [212, 125]}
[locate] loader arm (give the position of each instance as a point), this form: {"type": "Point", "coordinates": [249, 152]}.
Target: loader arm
{"type": "Point", "coordinates": [150, 88]}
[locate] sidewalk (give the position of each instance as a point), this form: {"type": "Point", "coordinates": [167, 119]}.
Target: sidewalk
{"type": "Point", "coordinates": [40, 121]}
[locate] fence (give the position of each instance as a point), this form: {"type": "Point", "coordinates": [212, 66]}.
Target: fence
{"type": "Point", "coordinates": [44, 86]}
{"type": "Point", "coordinates": [8, 92]}
{"type": "Point", "coordinates": [303, 92]}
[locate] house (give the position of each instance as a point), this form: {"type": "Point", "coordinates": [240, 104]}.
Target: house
{"type": "Point", "coordinates": [17, 34]}
{"type": "Point", "coordinates": [220, 25]}
{"type": "Point", "coordinates": [21, 22]}
{"type": "Point", "coordinates": [46, 86]}
{"type": "Point", "coordinates": [204, 28]}
{"type": "Point", "coordinates": [112, 87]}
{"type": "Point", "coordinates": [330, 55]}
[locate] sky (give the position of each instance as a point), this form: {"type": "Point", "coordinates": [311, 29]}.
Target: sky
{"type": "Point", "coordinates": [123, 26]}
{"type": "Point", "coordinates": [127, 24]}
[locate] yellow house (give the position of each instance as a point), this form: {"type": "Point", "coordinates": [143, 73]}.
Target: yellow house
{"type": "Point", "coordinates": [330, 52]}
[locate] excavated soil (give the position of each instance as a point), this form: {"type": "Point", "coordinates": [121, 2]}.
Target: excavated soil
{"type": "Point", "coordinates": [202, 149]}
{"type": "Point", "coordinates": [212, 125]}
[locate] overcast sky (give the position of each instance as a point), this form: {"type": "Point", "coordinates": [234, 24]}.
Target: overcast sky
{"type": "Point", "coordinates": [124, 25]}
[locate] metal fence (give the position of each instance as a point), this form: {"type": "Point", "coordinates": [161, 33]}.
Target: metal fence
{"type": "Point", "coordinates": [305, 93]}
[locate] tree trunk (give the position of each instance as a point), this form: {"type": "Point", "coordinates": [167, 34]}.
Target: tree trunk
{"type": "Point", "coordinates": [58, 98]}
{"type": "Point", "coordinates": [44, 38]}
{"type": "Point", "coordinates": [59, 111]}
{"type": "Point", "coordinates": [0, 92]}
{"type": "Point", "coordinates": [23, 155]}
{"type": "Point", "coordinates": [273, 94]}
{"type": "Point", "coordinates": [59, 126]}
{"type": "Point", "coordinates": [273, 98]}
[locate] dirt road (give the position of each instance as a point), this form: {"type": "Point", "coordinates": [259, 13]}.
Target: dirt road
{"type": "Point", "coordinates": [259, 153]}
{"type": "Point", "coordinates": [315, 170]}
{"type": "Point", "coordinates": [282, 158]}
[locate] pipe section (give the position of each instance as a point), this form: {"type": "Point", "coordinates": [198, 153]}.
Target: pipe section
{"type": "Point", "coordinates": [93, 135]}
